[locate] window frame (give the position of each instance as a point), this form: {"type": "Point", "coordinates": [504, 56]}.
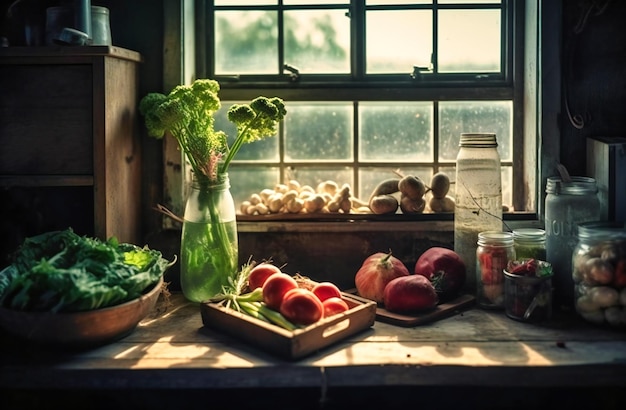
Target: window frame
{"type": "Point", "coordinates": [525, 125]}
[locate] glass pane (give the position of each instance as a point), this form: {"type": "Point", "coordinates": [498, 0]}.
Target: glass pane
{"type": "Point", "coordinates": [246, 42]}
{"type": "Point", "coordinates": [314, 176]}
{"type": "Point", "coordinates": [244, 2]}
{"type": "Point", "coordinates": [396, 131]}
{"type": "Point", "coordinates": [262, 150]}
{"type": "Point", "coordinates": [395, 2]}
{"type": "Point", "coordinates": [314, 2]}
{"type": "Point", "coordinates": [318, 41]}
{"type": "Point", "coordinates": [469, 41]}
{"type": "Point", "coordinates": [456, 117]}
{"type": "Point", "coordinates": [507, 186]}
{"type": "Point", "coordinates": [318, 132]}
{"type": "Point", "coordinates": [247, 181]}
{"type": "Point", "coordinates": [396, 41]}
{"type": "Point", "coordinates": [469, 1]}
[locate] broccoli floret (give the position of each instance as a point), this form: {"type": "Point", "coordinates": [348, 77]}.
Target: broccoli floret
{"type": "Point", "coordinates": [187, 113]}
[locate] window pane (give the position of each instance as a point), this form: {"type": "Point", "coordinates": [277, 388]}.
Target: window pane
{"type": "Point", "coordinates": [247, 181]}
{"type": "Point", "coordinates": [393, 2]}
{"type": "Point", "coordinates": [244, 2]}
{"type": "Point", "coordinates": [263, 150]}
{"type": "Point", "coordinates": [398, 40]}
{"type": "Point", "coordinates": [396, 131]}
{"type": "Point", "coordinates": [469, 41]}
{"type": "Point", "coordinates": [318, 132]}
{"type": "Point", "coordinates": [246, 42]}
{"type": "Point", "coordinates": [314, 2]}
{"type": "Point", "coordinates": [468, 1]}
{"type": "Point", "coordinates": [318, 41]}
{"type": "Point", "coordinates": [457, 117]}
{"type": "Point", "coordinates": [313, 176]}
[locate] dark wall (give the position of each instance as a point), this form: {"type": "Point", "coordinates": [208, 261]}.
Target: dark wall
{"type": "Point", "coordinates": [594, 76]}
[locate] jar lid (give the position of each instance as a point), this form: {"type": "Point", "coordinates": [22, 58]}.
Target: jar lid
{"type": "Point", "coordinates": [611, 230]}
{"type": "Point", "coordinates": [529, 234]}
{"type": "Point", "coordinates": [578, 186]}
{"type": "Point", "coordinates": [495, 238]}
{"type": "Point", "coordinates": [478, 140]}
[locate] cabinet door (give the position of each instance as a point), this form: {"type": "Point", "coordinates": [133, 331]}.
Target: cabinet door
{"type": "Point", "coordinates": [46, 119]}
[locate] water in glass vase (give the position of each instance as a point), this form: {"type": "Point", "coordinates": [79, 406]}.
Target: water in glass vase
{"type": "Point", "coordinates": [207, 263]}
{"type": "Point", "coordinates": [209, 247]}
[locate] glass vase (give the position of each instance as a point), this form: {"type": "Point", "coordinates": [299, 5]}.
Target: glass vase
{"type": "Point", "coordinates": [209, 246]}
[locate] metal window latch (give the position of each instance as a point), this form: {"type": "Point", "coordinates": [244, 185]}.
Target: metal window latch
{"type": "Point", "coordinates": [417, 72]}
{"type": "Point", "coordinates": [294, 73]}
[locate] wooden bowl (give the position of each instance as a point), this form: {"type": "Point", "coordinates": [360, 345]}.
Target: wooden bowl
{"type": "Point", "coordinates": [80, 329]}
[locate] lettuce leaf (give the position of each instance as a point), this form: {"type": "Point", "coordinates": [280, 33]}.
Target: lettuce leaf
{"type": "Point", "coordinates": [61, 271]}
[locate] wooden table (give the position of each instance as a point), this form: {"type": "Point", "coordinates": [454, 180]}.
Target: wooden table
{"type": "Point", "coordinates": [474, 358]}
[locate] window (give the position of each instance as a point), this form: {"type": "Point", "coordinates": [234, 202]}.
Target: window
{"type": "Point", "coordinates": [371, 86]}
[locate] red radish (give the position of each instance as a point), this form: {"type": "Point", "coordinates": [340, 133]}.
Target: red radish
{"type": "Point", "coordinates": [259, 274]}
{"type": "Point", "coordinates": [275, 288]}
{"type": "Point", "coordinates": [376, 272]}
{"type": "Point", "coordinates": [334, 305]}
{"type": "Point", "coordinates": [410, 293]}
{"type": "Point", "coordinates": [444, 268]}
{"type": "Point", "coordinates": [325, 290]}
{"type": "Point", "coordinates": [301, 306]}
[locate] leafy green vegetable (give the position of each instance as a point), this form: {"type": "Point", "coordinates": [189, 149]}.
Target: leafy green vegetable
{"type": "Point", "coordinates": [61, 271]}
{"type": "Point", "coordinates": [187, 113]}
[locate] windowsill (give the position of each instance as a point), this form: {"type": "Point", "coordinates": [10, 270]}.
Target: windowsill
{"type": "Point", "coordinates": [369, 223]}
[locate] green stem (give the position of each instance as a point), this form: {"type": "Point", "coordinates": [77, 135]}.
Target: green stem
{"type": "Point", "coordinates": [237, 144]}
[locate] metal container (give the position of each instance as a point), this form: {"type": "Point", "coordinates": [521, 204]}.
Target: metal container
{"type": "Point", "coordinates": [61, 17]}
{"type": "Point", "coordinates": [528, 298]}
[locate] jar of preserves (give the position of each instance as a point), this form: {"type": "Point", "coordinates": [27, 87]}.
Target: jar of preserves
{"type": "Point", "coordinates": [530, 244]}
{"type": "Point", "coordinates": [478, 197]}
{"type": "Point", "coordinates": [493, 253]}
{"type": "Point", "coordinates": [568, 203]}
{"type": "Point", "coordinates": [599, 273]}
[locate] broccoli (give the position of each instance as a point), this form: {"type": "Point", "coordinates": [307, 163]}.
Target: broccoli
{"type": "Point", "coordinates": [187, 114]}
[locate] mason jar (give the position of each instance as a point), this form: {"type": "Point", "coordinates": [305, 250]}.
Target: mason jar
{"type": "Point", "coordinates": [478, 196]}
{"type": "Point", "coordinates": [493, 252]}
{"type": "Point", "coordinates": [599, 273]}
{"type": "Point", "coordinates": [567, 205]}
{"type": "Point", "coordinates": [530, 243]}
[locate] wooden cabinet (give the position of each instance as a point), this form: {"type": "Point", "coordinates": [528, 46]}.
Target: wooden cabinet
{"type": "Point", "coordinates": [69, 144]}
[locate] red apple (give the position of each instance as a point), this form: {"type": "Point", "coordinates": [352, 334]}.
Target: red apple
{"type": "Point", "coordinates": [410, 293]}
{"type": "Point", "coordinates": [444, 268]}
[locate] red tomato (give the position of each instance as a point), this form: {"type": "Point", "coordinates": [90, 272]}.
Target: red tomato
{"type": "Point", "coordinates": [301, 306]}
{"type": "Point", "coordinates": [334, 305]}
{"type": "Point", "coordinates": [325, 290]}
{"type": "Point", "coordinates": [275, 288]}
{"type": "Point", "coordinates": [260, 273]}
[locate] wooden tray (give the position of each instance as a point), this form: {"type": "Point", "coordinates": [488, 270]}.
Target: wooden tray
{"type": "Point", "coordinates": [443, 310]}
{"type": "Point", "coordinates": [299, 343]}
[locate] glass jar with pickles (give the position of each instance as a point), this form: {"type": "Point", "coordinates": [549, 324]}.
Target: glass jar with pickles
{"type": "Point", "coordinates": [530, 243]}
{"type": "Point", "coordinates": [599, 273]}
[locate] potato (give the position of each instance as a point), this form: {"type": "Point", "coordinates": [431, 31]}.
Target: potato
{"type": "Point", "coordinates": [412, 206]}
{"type": "Point", "coordinates": [440, 185]}
{"type": "Point", "coordinates": [412, 187]}
{"type": "Point", "coordinates": [445, 204]}
{"type": "Point", "coordinates": [383, 204]}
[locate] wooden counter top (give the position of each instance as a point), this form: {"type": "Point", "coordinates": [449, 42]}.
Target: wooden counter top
{"type": "Point", "coordinates": [481, 349]}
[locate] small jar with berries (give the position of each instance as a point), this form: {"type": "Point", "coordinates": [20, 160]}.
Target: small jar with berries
{"type": "Point", "coordinates": [599, 273]}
